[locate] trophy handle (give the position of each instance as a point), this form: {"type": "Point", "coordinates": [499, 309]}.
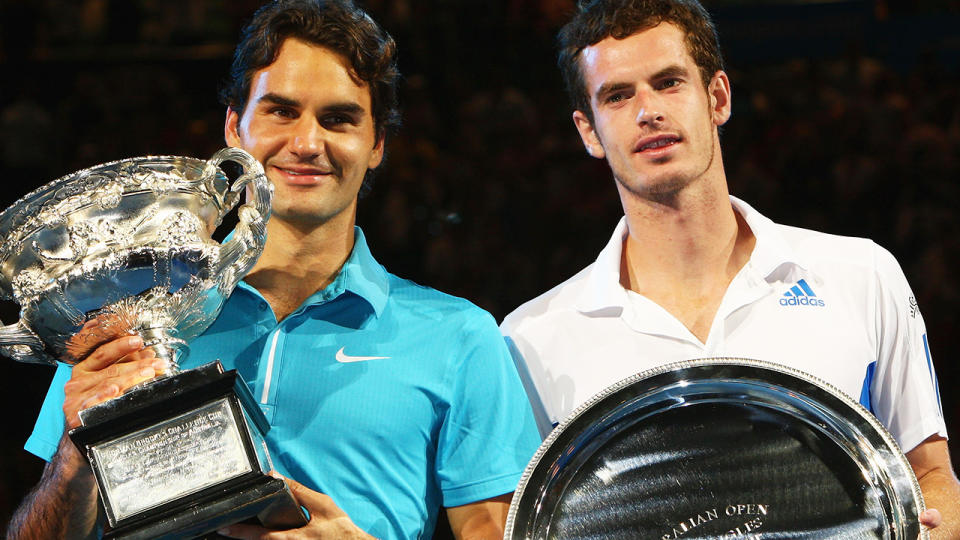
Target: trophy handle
{"type": "Point", "coordinates": [238, 255]}
{"type": "Point", "coordinates": [20, 343]}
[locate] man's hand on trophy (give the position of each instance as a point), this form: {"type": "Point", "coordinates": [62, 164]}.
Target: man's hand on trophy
{"type": "Point", "coordinates": [327, 520]}
{"type": "Point", "coordinates": [95, 332]}
{"type": "Point", "coordinates": [107, 372]}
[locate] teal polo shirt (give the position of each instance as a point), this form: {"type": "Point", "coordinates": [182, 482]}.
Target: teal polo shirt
{"type": "Point", "coordinates": [392, 398]}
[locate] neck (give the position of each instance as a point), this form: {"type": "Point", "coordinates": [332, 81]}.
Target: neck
{"type": "Point", "coordinates": [691, 242]}
{"type": "Point", "coordinates": [297, 261]}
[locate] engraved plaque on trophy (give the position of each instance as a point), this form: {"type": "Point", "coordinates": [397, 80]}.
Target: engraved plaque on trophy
{"type": "Point", "coordinates": [718, 448]}
{"type": "Point", "coordinates": [126, 247]}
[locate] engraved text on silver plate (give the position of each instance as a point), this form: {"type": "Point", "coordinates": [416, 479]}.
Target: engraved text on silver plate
{"type": "Point", "coordinates": [171, 459]}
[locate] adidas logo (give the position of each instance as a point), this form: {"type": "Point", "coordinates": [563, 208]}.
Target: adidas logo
{"type": "Point", "coordinates": [801, 295]}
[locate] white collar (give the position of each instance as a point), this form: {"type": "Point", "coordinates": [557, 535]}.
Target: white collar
{"type": "Point", "coordinates": [603, 290]}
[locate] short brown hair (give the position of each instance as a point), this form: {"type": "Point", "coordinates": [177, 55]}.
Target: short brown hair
{"type": "Point", "coordinates": [597, 20]}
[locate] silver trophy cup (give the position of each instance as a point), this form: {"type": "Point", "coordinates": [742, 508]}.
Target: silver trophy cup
{"type": "Point", "coordinates": [127, 248]}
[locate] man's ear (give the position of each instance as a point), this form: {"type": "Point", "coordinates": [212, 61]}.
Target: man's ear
{"type": "Point", "coordinates": [720, 103]}
{"type": "Point", "coordinates": [376, 157]}
{"type": "Point", "coordinates": [230, 126]}
{"type": "Point", "coordinates": [588, 135]}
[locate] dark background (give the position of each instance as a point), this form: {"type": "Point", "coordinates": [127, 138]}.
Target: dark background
{"type": "Point", "coordinates": [846, 119]}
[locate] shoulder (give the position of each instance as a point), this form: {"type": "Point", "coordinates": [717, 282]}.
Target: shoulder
{"type": "Point", "coordinates": [833, 254]}
{"type": "Point", "coordinates": [824, 250]}
{"type": "Point", "coordinates": [411, 300]}
{"type": "Point", "coordinates": [560, 301]}
{"type": "Point", "coordinates": [857, 266]}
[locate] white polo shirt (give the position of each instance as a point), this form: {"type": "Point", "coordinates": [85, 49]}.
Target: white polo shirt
{"type": "Point", "coordinates": [838, 308]}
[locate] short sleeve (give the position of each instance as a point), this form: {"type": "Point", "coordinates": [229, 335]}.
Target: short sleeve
{"type": "Point", "coordinates": [48, 430]}
{"type": "Point", "coordinates": [488, 433]}
{"type": "Point", "coordinates": [904, 393]}
{"type": "Point", "coordinates": [533, 390]}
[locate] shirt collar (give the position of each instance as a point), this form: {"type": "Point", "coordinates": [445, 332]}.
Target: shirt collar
{"type": "Point", "coordinates": [604, 291]}
{"type": "Point", "coordinates": [361, 275]}
{"type": "Point", "coordinates": [771, 250]}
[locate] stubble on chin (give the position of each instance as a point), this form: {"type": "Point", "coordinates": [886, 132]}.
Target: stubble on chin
{"type": "Point", "coordinates": [665, 191]}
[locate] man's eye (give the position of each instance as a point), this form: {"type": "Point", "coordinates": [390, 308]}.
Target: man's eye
{"type": "Point", "coordinates": [670, 83]}
{"type": "Point", "coordinates": [337, 120]}
{"type": "Point", "coordinates": [616, 98]}
{"type": "Point", "coordinates": [283, 112]}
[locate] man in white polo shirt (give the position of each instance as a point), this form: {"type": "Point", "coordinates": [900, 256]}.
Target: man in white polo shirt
{"type": "Point", "coordinates": [692, 272]}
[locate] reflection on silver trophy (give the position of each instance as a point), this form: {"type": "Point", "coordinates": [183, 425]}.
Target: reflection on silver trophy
{"type": "Point", "coordinates": [127, 248]}
{"type": "Point", "coordinates": [718, 448]}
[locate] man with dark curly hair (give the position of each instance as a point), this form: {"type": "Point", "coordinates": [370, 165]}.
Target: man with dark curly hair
{"type": "Point", "coordinates": [387, 400]}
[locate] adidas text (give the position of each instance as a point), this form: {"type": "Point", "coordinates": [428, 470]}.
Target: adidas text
{"type": "Point", "coordinates": [801, 301]}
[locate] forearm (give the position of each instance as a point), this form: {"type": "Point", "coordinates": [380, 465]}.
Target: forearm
{"type": "Point", "coordinates": [482, 520]}
{"type": "Point", "coordinates": [63, 504]}
{"type": "Point", "coordinates": [941, 491]}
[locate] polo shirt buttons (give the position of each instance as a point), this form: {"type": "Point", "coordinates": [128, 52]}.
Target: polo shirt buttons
{"type": "Point", "coordinates": [263, 305]}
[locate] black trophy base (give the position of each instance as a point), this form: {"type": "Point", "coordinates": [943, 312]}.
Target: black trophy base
{"type": "Point", "coordinates": [182, 457]}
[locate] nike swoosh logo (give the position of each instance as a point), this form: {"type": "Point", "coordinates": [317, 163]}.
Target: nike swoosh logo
{"type": "Point", "coordinates": [345, 359]}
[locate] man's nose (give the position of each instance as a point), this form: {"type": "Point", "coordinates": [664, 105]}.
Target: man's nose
{"type": "Point", "coordinates": [307, 138]}
{"type": "Point", "coordinates": [650, 112]}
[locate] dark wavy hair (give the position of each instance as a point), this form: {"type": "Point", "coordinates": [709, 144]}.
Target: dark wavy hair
{"type": "Point", "coordinates": [337, 25]}
{"type": "Point", "coordinates": [597, 20]}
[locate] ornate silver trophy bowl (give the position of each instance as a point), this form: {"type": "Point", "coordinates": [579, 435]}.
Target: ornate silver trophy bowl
{"type": "Point", "coordinates": [126, 247]}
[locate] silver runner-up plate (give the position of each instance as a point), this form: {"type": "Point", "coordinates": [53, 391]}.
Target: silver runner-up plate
{"type": "Point", "coordinates": [718, 448]}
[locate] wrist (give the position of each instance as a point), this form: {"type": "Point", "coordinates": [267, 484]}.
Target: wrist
{"type": "Point", "coordinates": [69, 464]}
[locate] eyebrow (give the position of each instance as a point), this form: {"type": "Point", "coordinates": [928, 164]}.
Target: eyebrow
{"type": "Point", "coordinates": [345, 108]}
{"type": "Point", "coordinates": [671, 71]}
{"type": "Point", "coordinates": [611, 87]}
{"type": "Point", "coordinates": [277, 99]}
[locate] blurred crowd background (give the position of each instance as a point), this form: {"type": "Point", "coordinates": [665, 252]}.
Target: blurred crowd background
{"type": "Point", "coordinates": [846, 119]}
